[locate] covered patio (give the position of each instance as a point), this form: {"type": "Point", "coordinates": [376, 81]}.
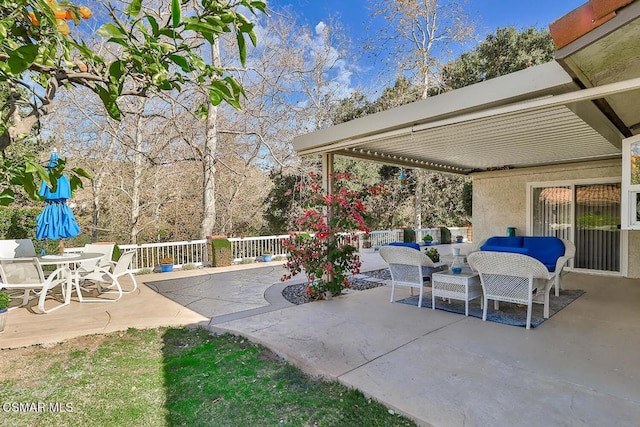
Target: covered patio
{"type": "Point", "coordinates": [557, 125]}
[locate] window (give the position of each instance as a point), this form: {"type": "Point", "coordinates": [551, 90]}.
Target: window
{"type": "Point", "coordinates": [631, 183]}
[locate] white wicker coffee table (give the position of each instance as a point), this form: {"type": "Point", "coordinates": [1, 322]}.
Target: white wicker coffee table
{"type": "Point", "coordinates": [463, 286]}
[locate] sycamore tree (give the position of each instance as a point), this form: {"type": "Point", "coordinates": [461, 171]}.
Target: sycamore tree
{"type": "Point", "coordinates": [42, 49]}
{"type": "Point", "coordinates": [418, 36]}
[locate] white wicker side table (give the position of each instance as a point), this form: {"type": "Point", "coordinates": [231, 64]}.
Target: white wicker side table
{"type": "Point", "coordinates": [464, 286]}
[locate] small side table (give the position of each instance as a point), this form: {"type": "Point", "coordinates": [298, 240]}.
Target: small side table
{"type": "Point", "coordinates": [464, 286]}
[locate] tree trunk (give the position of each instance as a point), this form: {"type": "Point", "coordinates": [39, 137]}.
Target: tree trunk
{"type": "Point", "coordinates": [138, 161]}
{"type": "Point", "coordinates": [97, 188]}
{"type": "Point", "coordinates": [209, 160]}
{"type": "Point", "coordinates": [418, 198]}
{"type": "Point", "coordinates": [97, 184]}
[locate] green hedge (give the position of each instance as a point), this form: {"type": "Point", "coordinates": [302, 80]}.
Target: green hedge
{"type": "Point", "coordinates": [18, 223]}
{"type": "Point", "coordinates": [445, 235]}
{"type": "Point", "coordinates": [221, 250]}
{"type": "Point", "coordinates": [408, 235]}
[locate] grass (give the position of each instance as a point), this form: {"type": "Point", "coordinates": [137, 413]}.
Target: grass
{"type": "Point", "coordinates": [180, 377]}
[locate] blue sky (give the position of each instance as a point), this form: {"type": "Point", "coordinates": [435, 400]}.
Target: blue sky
{"type": "Point", "coordinates": [489, 15]}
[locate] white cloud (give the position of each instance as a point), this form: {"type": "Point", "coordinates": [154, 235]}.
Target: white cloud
{"type": "Point", "coordinates": [320, 28]}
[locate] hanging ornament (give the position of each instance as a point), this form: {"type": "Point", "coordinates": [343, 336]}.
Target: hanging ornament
{"type": "Point", "coordinates": [403, 179]}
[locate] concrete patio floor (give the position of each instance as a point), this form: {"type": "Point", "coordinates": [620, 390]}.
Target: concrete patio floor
{"type": "Point", "coordinates": [579, 368]}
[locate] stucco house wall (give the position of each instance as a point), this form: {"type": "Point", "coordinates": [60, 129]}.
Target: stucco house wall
{"type": "Point", "coordinates": [500, 199]}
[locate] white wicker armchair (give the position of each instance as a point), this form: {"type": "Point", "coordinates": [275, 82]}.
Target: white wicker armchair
{"type": "Point", "coordinates": [512, 278]}
{"type": "Point", "coordinates": [409, 267]}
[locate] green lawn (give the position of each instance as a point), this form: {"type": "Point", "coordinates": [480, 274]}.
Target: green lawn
{"type": "Point", "coordinates": [159, 377]}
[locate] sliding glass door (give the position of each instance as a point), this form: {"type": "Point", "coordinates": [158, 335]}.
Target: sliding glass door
{"type": "Point", "coordinates": [597, 236]}
{"type": "Point", "coordinates": [586, 214]}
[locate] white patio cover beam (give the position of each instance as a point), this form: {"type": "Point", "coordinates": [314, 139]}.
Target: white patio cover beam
{"type": "Point", "coordinates": [550, 129]}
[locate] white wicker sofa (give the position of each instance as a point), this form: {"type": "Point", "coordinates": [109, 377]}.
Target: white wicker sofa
{"type": "Point", "coordinates": [553, 252]}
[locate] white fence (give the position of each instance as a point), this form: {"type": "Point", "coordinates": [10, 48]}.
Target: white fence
{"type": "Point", "coordinates": [148, 255]}
{"type": "Point", "coordinates": [195, 252]}
{"type": "Point", "coordinates": [384, 237]}
{"type": "Point", "coordinates": [252, 247]}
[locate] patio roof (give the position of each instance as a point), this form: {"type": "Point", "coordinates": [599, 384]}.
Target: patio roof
{"type": "Point", "coordinates": [575, 109]}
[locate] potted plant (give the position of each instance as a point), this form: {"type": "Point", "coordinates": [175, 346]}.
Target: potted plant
{"type": "Point", "coordinates": [433, 254]}
{"type": "Point", "coordinates": [459, 238]}
{"type": "Point", "coordinates": [428, 238]}
{"type": "Point", "coordinates": [166, 264]}
{"type": "Point", "coordinates": [267, 256]}
{"type": "Point", "coordinates": [4, 304]}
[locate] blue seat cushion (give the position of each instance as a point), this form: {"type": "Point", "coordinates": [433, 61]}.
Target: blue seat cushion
{"type": "Point", "coordinates": [511, 249]}
{"type": "Point", "coordinates": [545, 249]}
{"type": "Point", "coordinates": [406, 245]}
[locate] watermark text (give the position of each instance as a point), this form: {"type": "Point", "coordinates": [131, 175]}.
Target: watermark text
{"type": "Point", "coordinates": [37, 407]}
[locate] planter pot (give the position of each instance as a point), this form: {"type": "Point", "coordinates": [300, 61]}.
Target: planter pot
{"type": "Point", "coordinates": [427, 242]}
{"type": "Point", "coordinates": [165, 268]}
{"type": "Point", "coordinates": [267, 258]}
{"type": "Point", "coordinates": [459, 240]}
{"type": "Point", "coordinates": [3, 319]}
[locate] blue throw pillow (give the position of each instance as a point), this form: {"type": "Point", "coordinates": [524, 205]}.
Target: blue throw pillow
{"type": "Point", "coordinates": [510, 242]}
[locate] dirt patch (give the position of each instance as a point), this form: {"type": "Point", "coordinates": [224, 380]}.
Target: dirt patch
{"type": "Point", "coordinates": [267, 355]}
{"type": "Point", "coordinates": [27, 363]}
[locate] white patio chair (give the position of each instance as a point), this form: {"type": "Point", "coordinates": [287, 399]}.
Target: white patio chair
{"type": "Point", "coordinates": [107, 282]}
{"type": "Point", "coordinates": [406, 266]}
{"type": "Point", "coordinates": [87, 267]}
{"type": "Point", "coordinates": [17, 248]}
{"type": "Point", "coordinates": [25, 275]}
{"type": "Point", "coordinates": [514, 278]}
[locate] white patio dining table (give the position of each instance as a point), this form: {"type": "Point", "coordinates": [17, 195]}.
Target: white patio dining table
{"type": "Point", "coordinates": [68, 260]}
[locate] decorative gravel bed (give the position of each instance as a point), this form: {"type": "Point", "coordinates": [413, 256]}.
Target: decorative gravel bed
{"type": "Point", "coordinates": [295, 294]}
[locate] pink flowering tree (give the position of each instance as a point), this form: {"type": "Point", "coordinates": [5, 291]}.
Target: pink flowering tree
{"type": "Point", "coordinates": [328, 254]}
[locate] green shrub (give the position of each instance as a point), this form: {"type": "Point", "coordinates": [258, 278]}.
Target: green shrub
{"type": "Point", "coordinates": [445, 235]}
{"type": "Point", "coordinates": [115, 255]}
{"type": "Point", "coordinates": [433, 254]}
{"type": "Point", "coordinates": [144, 271]}
{"type": "Point", "coordinates": [409, 235]}
{"type": "Point", "coordinates": [189, 267]}
{"type": "Point", "coordinates": [221, 251]}
{"type": "Point", "coordinates": [4, 300]}
{"type": "Point", "coordinates": [18, 223]}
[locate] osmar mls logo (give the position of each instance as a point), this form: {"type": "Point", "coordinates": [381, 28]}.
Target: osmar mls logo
{"type": "Point", "coordinates": [37, 407]}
